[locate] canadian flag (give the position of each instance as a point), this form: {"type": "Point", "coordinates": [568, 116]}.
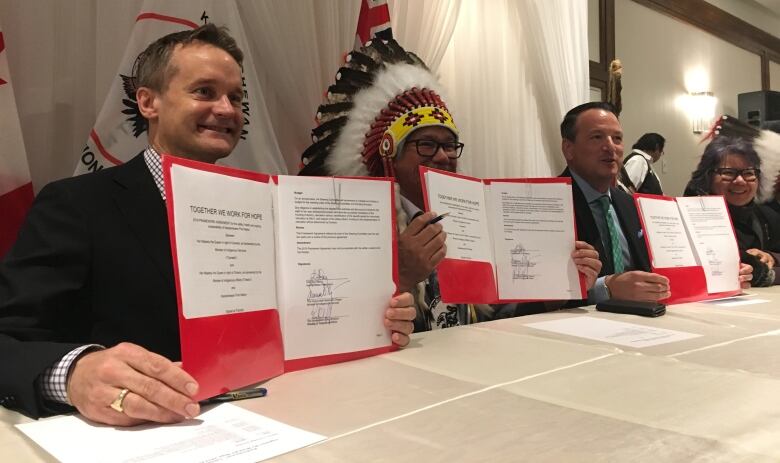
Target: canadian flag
{"type": "Point", "coordinates": [373, 21]}
{"type": "Point", "coordinates": [16, 190]}
{"type": "Point", "coordinates": [120, 130]}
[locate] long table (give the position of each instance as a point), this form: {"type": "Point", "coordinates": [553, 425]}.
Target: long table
{"type": "Point", "coordinates": [503, 391]}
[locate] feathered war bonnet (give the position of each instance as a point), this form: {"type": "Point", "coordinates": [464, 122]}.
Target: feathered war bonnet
{"type": "Point", "coordinates": [765, 142]}
{"type": "Point", "coordinates": [381, 94]}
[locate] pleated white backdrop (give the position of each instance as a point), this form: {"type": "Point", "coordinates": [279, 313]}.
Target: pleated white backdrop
{"type": "Point", "coordinates": [511, 69]}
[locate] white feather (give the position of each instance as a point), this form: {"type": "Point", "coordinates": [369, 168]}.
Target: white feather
{"type": "Point", "coordinates": [767, 145]}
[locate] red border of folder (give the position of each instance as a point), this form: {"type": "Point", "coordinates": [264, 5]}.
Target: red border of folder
{"type": "Point", "coordinates": [469, 281]}
{"type": "Point", "coordinates": [227, 352]}
{"type": "Point", "coordinates": [687, 284]}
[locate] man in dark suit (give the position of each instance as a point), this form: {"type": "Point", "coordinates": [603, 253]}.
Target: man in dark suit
{"type": "Point", "coordinates": [88, 313]}
{"type": "Point", "coordinates": [606, 217]}
{"type": "Point", "coordinates": [592, 143]}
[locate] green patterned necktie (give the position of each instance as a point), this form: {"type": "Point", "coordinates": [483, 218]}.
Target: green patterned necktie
{"type": "Point", "coordinates": [617, 252]}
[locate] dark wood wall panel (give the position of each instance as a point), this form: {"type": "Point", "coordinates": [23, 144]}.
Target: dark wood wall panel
{"type": "Point", "coordinates": [599, 72]}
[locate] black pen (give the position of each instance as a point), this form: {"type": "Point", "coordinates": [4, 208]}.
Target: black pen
{"type": "Point", "coordinates": [238, 395]}
{"type": "Point", "coordinates": [437, 218]}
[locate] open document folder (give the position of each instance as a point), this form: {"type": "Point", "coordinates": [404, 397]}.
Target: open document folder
{"type": "Point", "coordinates": [277, 274]}
{"type": "Point", "coordinates": [691, 241]}
{"type": "Point", "coordinates": [508, 240]}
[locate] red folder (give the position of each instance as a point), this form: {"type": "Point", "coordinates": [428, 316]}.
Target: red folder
{"type": "Point", "coordinates": [687, 284]}
{"type": "Point", "coordinates": [224, 352]}
{"type": "Point", "coordinates": [227, 352]}
{"type": "Point", "coordinates": [469, 281]}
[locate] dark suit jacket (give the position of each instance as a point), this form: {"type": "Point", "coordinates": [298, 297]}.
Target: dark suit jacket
{"type": "Point", "coordinates": [629, 222]}
{"type": "Point", "coordinates": [92, 264]}
{"type": "Point", "coordinates": [774, 205]}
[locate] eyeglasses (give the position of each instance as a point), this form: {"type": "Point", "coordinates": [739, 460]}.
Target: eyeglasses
{"type": "Point", "coordinates": [429, 148]}
{"type": "Point", "coordinates": [728, 174]}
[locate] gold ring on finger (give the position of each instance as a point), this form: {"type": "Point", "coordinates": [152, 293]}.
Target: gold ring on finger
{"type": "Point", "coordinates": [117, 404]}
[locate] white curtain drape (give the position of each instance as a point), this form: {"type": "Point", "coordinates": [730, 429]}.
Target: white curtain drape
{"type": "Point", "coordinates": [298, 47]}
{"type": "Point", "coordinates": [510, 69]}
{"type": "Point", "coordinates": [425, 27]}
{"type": "Point", "coordinates": [556, 41]}
{"type": "Point", "coordinates": [495, 69]}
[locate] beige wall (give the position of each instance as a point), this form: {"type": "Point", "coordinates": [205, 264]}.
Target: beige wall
{"type": "Point", "coordinates": [752, 12]}
{"type": "Point", "coordinates": [657, 51]}
{"type": "Point", "coordinates": [774, 76]}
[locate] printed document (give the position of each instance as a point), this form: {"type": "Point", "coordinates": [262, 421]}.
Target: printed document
{"type": "Point", "coordinates": [613, 332]}
{"type": "Point", "coordinates": [226, 433]}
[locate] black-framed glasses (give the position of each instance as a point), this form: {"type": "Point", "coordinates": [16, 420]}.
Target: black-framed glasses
{"type": "Point", "coordinates": [429, 148]}
{"type": "Point", "coordinates": [727, 173]}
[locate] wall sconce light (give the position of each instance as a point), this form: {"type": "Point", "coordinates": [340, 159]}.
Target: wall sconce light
{"type": "Point", "coordinates": [701, 110]}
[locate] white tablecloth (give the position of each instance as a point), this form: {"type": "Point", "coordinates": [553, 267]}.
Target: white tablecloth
{"type": "Point", "coordinates": [502, 391]}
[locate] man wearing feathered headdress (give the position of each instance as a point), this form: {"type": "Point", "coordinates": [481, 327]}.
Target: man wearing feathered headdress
{"type": "Point", "coordinates": [385, 116]}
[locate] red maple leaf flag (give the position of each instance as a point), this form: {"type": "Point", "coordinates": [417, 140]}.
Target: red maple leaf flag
{"type": "Point", "coordinates": [374, 21]}
{"type": "Point", "coordinates": [16, 190]}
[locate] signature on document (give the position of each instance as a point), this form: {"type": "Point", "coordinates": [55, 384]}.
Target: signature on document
{"type": "Point", "coordinates": [522, 261]}
{"type": "Point", "coordinates": [322, 297]}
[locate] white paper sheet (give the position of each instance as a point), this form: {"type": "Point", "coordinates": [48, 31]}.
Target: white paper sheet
{"type": "Point", "coordinates": [737, 301]}
{"type": "Point", "coordinates": [532, 228]}
{"type": "Point", "coordinates": [225, 433]}
{"type": "Point", "coordinates": [224, 243]}
{"type": "Point", "coordinates": [669, 244]}
{"type": "Point", "coordinates": [335, 264]}
{"type": "Point", "coordinates": [709, 227]}
{"type": "Point", "coordinates": [467, 226]}
{"type": "Point", "coordinates": [613, 332]}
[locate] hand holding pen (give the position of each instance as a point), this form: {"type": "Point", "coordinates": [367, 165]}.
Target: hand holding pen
{"type": "Point", "coordinates": [438, 218]}
{"type": "Point", "coordinates": [421, 246]}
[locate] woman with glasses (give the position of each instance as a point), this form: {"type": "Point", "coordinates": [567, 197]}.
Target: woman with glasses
{"type": "Point", "coordinates": [731, 167]}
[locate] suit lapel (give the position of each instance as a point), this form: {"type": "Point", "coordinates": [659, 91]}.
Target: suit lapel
{"type": "Point", "coordinates": [139, 201]}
